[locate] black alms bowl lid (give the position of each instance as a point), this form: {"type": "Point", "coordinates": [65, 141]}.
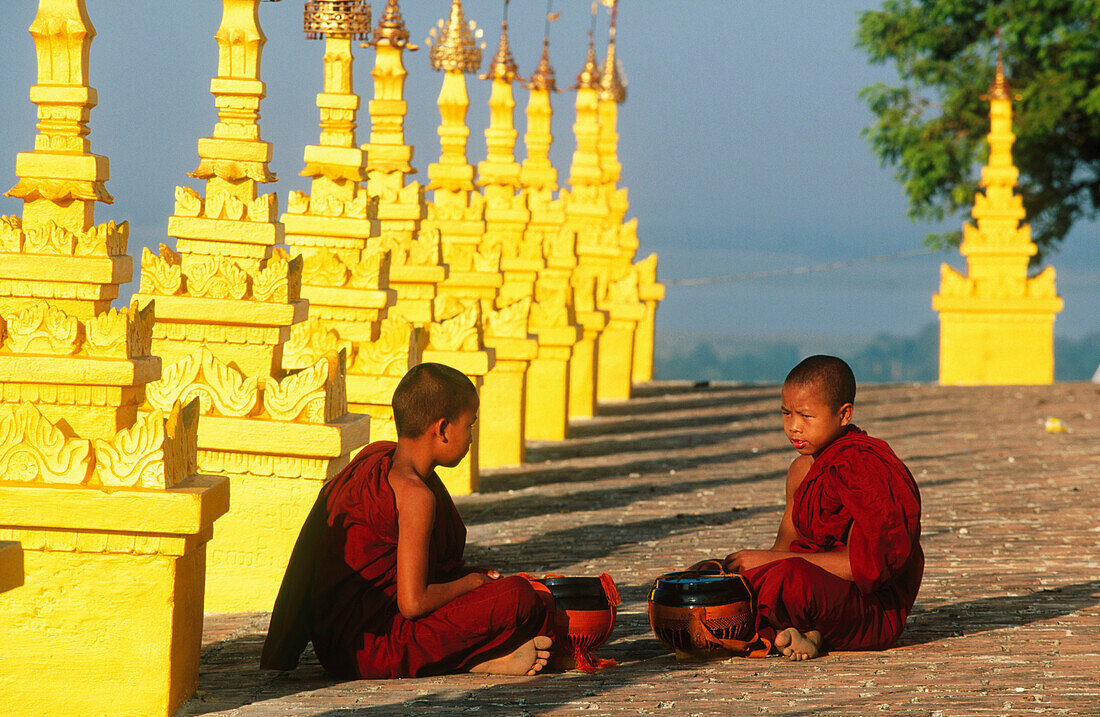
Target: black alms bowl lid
{"type": "Point", "coordinates": [691, 589]}
{"type": "Point", "coordinates": [577, 593]}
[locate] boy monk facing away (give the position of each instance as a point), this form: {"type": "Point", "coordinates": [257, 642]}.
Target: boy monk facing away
{"type": "Point", "coordinates": [847, 561]}
{"type": "Point", "coordinates": [377, 580]}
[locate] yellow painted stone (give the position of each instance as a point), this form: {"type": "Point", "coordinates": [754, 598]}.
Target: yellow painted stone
{"type": "Point", "coordinates": [615, 362]}
{"type": "Point", "coordinates": [553, 318]}
{"type": "Point", "coordinates": [146, 555]}
{"type": "Point", "coordinates": [652, 293]}
{"type": "Point", "coordinates": [106, 501]}
{"type": "Point", "coordinates": [11, 565]}
{"type": "Point", "coordinates": [456, 342]}
{"type": "Point", "coordinates": [347, 271]}
{"type": "Point", "coordinates": [503, 392]}
{"type": "Point", "coordinates": [587, 216]}
{"type": "Point", "coordinates": [996, 323]}
{"type": "Point", "coordinates": [276, 425]}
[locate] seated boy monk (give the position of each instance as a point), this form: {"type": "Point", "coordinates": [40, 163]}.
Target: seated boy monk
{"type": "Point", "coordinates": [376, 579]}
{"type": "Point", "coordinates": [847, 562]}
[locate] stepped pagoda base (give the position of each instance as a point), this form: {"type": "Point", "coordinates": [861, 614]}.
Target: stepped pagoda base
{"type": "Point", "coordinates": [112, 596]}
{"type": "Point", "coordinates": [1006, 342]}
{"type": "Point", "coordinates": [548, 383]}
{"type": "Point", "coordinates": [275, 470]}
{"type": "Point", "coordinates": [503, 404]}
{"type": "Point", "coordinates": [583, 365]}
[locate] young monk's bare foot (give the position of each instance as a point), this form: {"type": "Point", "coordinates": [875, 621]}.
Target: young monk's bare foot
{"type": "Point", "coordinates": [527, 659]}
{"type": "Point", "coordinates": [797, 646]}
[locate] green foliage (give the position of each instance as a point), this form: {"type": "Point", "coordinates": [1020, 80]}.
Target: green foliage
{"type": "Point", "coordinates": [932, 128]}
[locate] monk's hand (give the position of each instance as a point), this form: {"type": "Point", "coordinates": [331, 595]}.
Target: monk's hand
{"type": "Point", "coordinates": [744, 560]}
{"type": "Point", "coordinates": [490, 573]}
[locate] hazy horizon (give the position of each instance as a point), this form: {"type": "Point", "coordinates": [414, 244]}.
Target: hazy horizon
{"type": "Point", "coordinates": [739, 142]}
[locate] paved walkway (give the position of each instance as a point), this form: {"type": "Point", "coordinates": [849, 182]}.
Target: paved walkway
{"type": "Point", "coordinates": [1007, 621]}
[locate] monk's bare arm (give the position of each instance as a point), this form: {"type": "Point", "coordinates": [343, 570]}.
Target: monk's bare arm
{"type": "Point", "coordinates": [787, 533]}
{"type": "Point", "coordinates": [417, 597]}
{"type": "Point", "coordinates": [837, 562]}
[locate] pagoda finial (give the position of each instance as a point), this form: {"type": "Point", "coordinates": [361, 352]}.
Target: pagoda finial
{"type": "Point", "coordinates": [589, 78]}
{"type": "Point", "coordinates": [455, 47]}
{"type": "Point", "coordinates": [612, 84]}
{"type": "Point", "coordinates": [336, 18]}
{"type": "Point", "coordinates": [503, 66]}
{"type": "Point", "coordinates": [543, 77]}
{"type": "Point", "coordinates": [999, 90]}
{"type": "Point", "coordinates": [391, 28]}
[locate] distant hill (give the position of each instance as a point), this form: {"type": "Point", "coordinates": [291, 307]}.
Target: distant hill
{"type": "Point", "coordinates": [883, 359]}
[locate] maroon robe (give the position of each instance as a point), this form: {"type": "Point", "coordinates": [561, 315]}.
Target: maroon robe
{"type": "Point", "coordinates": [340, 590]}
{"type": "Point", "coordinates": [859, 495]}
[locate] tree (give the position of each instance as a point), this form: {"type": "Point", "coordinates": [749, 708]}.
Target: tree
{"type": "Point", "coordinates": [932, 127]}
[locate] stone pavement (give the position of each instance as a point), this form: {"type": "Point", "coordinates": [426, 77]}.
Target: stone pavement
{"type": "Point", "coordinates": [1007, 621]}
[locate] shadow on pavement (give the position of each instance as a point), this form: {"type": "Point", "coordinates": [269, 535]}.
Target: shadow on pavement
{"type": "Point", "coordinates": [631, 423]}
{"type": "Point", "coordinates": [995, 613]}
{"type": "Point", "coordinates": [529, 506]}
{"type": "Point", "coordinates": [530, 475]}
{"type": "Point", "coordinates": [555, 549]}
{"type": "Point", "coordinates": [620, 441]}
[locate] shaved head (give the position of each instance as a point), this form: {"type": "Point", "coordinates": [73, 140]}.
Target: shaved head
{"type": "Point", "coordinates": [829, 375]}
{"type": "Point", "coordinates": [428, 392]}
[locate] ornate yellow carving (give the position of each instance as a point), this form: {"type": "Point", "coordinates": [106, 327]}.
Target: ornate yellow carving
{"type": "Point", "coordinates": [552, 309]}
{"type": "Point", "coordinates": [42, 329]}
{"type": "Point", "coordinates": [487, 260]}
{"type": "Point", "coordinates": [389, 355]}
{"type": "Point", "coordinates": [510, 321]}
{"type": "Point", "coordinates": [30, 189]}
{"type": "Point", "coordinates": [188, 202]}
{"type": "Point", "coordinates": [120, 334]}
{"type": "Point", "coordinates": [280, 280]}
{"type": "Point", "coordinates": [220, 388]}
{"type": "Point", "coordinates": [461, 332]}
{"type": "Point", "coordinates": [33, 449]}
{"type": "Point", "coordinates": [374, 264]}
{"type": "Point", "coordinates": [11, 234]}
{"type": "Point", "coordinates": [324, 268]}
{"type": "Point", "coordinates": [217, 277]}
{"type": "Point", "coordinates": [310, 340]}
{"type": "Point", "coordinates": [161, 275]}
{"type": "Point", "coordinates": [153, 453]}
{"type": "Point", "coordinates": [297, 202]}
{"type": "Point", "coordinates": [624, 290]}
{"type": "Point", "coordinates": [312, 395]}
{"type": "Point", "coordinates": [264, 208]}
{"type": "Point", "coordinates": [221, 204]}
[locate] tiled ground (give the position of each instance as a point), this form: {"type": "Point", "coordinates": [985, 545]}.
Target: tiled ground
{"type": "Point", "coordinates": [1007, 621]}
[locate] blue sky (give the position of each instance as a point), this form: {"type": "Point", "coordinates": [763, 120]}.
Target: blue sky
{"type": "Point", "coordinates": [739, 142]}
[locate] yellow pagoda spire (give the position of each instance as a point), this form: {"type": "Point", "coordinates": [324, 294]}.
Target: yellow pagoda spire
{"type": "Point", "coordinates": [641, 289]}
{"type": "Point", "coordinates": [457, 216]}
{"type": "Point", "coordinates": [227, 299]}
{"type": "Point", "coordinates": [538, 173]}
{"type": "Point", "coordinates": [552, 320]}
{"type": "Point", "coordinates": [60, 182]}
{"type": "Point", "coordinates": [586, 216]}
{"type": "Point", "coordinates": [415, 259]}
{"type": "Point", "coordinates": [105, 500]}
{"type": "Point", "coordinates": [345, 273]}
{"type": "Point", "coordinates": [506, 323]}
{"type": "Point", "coordinates": [996, 323]}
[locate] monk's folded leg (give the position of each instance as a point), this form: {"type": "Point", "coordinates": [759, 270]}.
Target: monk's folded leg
{"type": "Point", "coordinates": [796, 593]}
{"type": "Point", "coordinates": [496, 618]}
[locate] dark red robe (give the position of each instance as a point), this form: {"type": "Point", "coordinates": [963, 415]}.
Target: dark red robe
{"type": "Point", "coordinates": [346, 557]}
{"type": "Point", "coordinates": [859, 495]}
